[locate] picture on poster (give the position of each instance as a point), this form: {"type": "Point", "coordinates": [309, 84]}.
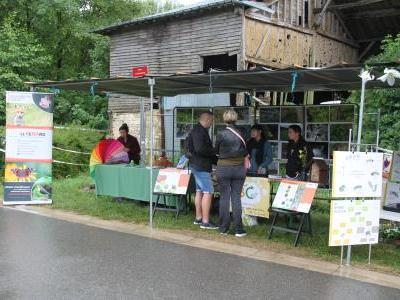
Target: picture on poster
{"type": "Point", "coordinates": [256, 197]}
{"type": "Point", "coordinates": [183, 130]}
{"type": "Point", "coordinates": [354, 222]}
{"type": "Point", "coordinates": [395, 168]}
{"type": "Point", "coordinates": [28, 182]}
{"type": "Point", "coordinates": [26, 109]}
{"type": "Point", "coordinates": [387, 164]}
{"type": "Point", "coordinates": [357, 174]}
{"type": "Point", "coordinates": [295, 195]}
{"type": "Point", "coordinates": [392, 194]}
{"type": "Point", "coordinates": [172, 181]}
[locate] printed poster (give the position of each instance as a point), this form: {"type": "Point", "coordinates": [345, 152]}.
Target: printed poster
{"type": "Point", "coordinates": [357, 174]}
{"type": "Point", "coordinates": [354, 222]}
{"type": "Point", "coordinates": [172, 181]}
{"type": "Point", "coordinates": [295, 195]}
{"type": "Point", "coordinates": [256, 197]}
{"type": "Point", "coordinates": [29, 137]}
{"type": "Point", "coordinates": [392, 194]}
{"type": "Point", "coordinates": [395, 170]}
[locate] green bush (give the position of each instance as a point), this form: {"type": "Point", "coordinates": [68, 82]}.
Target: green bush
{"type": "Point", "coordinates": [77, 140]}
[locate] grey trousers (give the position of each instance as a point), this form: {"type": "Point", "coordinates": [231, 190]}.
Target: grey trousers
{"type": "Point", "coordinates": [230, 183]}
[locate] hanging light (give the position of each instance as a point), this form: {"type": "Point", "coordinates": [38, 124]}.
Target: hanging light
{"type": "Point", "coordinates": [366, 76]}
{"type": "Point", "coordinates": [390, 76]}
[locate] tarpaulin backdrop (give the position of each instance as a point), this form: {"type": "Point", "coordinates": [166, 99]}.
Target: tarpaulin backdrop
{"type": "Point", "coordinates": [29, 137]}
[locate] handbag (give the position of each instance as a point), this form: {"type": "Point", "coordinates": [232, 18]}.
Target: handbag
{"type": "Point", "coordinates": [247, 163]}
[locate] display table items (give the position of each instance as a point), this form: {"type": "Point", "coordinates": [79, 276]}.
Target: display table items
{"type": "Point", "coordinates": [132, 182]}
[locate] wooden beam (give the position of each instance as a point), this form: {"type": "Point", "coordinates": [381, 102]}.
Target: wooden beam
{"type": "Point", "coordinates": [373, 14]}
{"type": "Point", "coordinates": [322, 14]}
{"type": "Point", "coordinates": [349, 5]}
{"type": "Point", "coordinates": [373, 39]}
{"type": "Point", "coordinates": [366, 50]}
{"type": "Point", "coordinates": [339, 17]}
{"type": "Point", "coordinates": [355, 4]}
{"type": "Point", "coordinates": [263, 42]}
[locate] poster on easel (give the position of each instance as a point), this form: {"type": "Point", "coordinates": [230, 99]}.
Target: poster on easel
{"type": "Point", "coordinates": [29, 137]}
{"type": "Point", "coordinates": [172, 181]}
{"type": "Point", "coordinates": [256, 197]}
{"type": "Point", "coordinates": [395, 167]}
{"type": "Point", "coordinates": [354, 222]}
{"type": "Point", "coordinates": [357, 174]}
{"type": "Point", "coordinates": [295, 195]}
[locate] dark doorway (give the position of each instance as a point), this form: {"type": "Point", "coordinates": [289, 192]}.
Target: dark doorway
{"type": "Point", "coordinates": [222, 62]}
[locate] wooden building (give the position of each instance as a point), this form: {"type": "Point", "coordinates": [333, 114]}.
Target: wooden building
{"type": "Point", "coordinates": [240, 35]}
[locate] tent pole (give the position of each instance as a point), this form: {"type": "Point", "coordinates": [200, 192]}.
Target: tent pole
{"type": "Point", "coordinates": [151, 85]}
{"type": "Point", "coordinates": [360, 124]}
{"type": "Point", "coordinates": [361, 113]}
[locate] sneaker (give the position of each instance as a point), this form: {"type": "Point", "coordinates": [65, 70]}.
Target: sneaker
{"type": "Point", "coordinates": [197, 222]}
{"type": "Point", "coordinates": [208, 225]}
{"type": "Point", "coordinates": [224, 233]}
{"type": "Point", "coordinates": [240, 233]}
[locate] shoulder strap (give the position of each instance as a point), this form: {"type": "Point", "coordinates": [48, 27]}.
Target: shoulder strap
{"type": "Point", "coordinates": [238, 135]}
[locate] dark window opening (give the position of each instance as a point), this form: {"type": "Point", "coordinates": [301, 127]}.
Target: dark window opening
{"type": "Point", "coordinates": [306, 13]}
{"type": "Point", "coordinates": [222, 62]}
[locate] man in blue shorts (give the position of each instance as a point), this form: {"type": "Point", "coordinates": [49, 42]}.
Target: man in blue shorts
{"type": "Point", "coordinates": [201, 160]}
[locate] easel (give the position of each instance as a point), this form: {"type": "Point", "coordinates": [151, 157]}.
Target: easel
{"type": "Point", "coordinates": [180, 205]}
{"type": "Point", "coordinates": [304, 218]}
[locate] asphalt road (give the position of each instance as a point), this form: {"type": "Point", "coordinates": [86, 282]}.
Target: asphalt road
{"type": "Point", "coordinates": [44, 258]}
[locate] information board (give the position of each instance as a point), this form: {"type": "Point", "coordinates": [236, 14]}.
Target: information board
{"type": "Point", "coordinates": [295, 195]}
{"type": "Point", "coordinates": [172, 181]}
{"type": "Point", "coordinates": [256, 197]}
{"type": "Point", "coordinates": [354, 222]}
{"type": "Point", "coordinates": [357, 174]}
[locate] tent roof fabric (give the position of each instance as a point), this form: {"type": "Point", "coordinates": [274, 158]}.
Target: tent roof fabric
{"type": "Point", "coordinates": [206, 5]}
{"type": "Point", "coordinates": [339, 78]}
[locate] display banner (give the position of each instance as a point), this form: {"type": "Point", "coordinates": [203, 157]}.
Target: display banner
{"type": "Point", "coordinates": [256, 197]}
{"type": "Point", "coordinates": [29, 138]}
{"type": "Point", "coordinates": [354, 222]}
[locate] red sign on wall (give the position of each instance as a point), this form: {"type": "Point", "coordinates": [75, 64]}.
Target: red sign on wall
{"type": "Point", "coordinates": [140, 71]}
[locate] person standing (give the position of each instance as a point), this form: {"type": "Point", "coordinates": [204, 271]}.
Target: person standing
{"type": "Point", "coordinates": [299, 155]}
{"type": "Point", "coordinates": [202, 157]}
{"type": "Point", "coordinates": [130, 143]}
{"type": "Point", "coordinates": [231, 173]}
{"type": "Point", "coordinates": [260, 151]}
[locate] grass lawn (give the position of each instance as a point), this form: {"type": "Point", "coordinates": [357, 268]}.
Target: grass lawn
{"type": "Point", "coordinates": [73, 194]}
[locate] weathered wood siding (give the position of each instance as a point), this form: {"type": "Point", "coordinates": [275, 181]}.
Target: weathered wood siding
{"type": "Point", "coordinates": [280, 46]}
{"type": "Point", "coordinates": [176, 46]}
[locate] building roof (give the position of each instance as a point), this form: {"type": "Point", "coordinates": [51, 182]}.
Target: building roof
{"type": "Point", "coordinates": [368, 20]}
{"type": "Point", "coordinates": [338, 78]}
{"type": "Point", "coordinates": [186, 10]}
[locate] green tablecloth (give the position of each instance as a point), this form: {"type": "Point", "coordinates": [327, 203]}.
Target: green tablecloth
{"type": "Point", "coordinates": [127, 181]}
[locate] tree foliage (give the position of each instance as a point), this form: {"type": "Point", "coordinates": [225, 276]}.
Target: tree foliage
{"type": "Point", "coordinates": [385, 100]}
{"type": "Point", "coordinates": [54, 40]}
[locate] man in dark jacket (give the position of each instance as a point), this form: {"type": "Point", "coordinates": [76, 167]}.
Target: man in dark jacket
{"type": "Point", "coordinates": [202, 156]}
{"type": "Point", "coordinates": [299, 155]}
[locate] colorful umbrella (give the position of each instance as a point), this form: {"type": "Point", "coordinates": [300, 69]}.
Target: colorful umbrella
{"type": "Point", "coordinates": [107, 151]}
